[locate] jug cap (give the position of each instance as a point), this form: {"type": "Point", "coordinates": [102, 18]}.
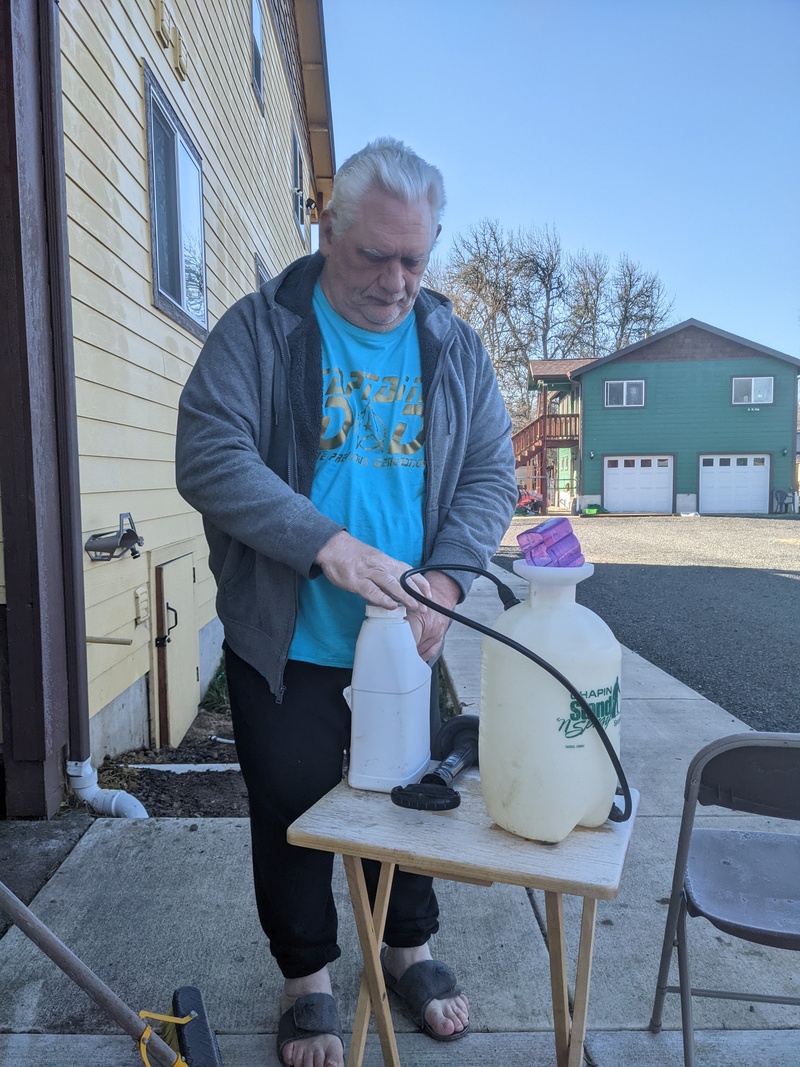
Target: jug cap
{"type": "Point", "coordinates": [374, 612]}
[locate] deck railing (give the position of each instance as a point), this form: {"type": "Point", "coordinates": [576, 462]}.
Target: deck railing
{"type": "Point", "coordinates": [559, 428]}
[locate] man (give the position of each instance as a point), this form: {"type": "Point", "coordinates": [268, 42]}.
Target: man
{"type": "Point", "coordinates": [341, 425]}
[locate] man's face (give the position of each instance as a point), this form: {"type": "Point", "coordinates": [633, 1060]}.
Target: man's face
{"type": "Point", "coordinates": [374, 269]}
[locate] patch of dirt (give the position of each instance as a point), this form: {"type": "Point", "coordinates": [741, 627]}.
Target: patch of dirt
{"type": "Point", "coordinates": [191, 794]}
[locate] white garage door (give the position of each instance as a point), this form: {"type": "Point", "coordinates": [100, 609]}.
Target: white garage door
{"type": "Point", "coordinates": [734, 484]}
{"type": "Point", "coordinates": [638, 484]}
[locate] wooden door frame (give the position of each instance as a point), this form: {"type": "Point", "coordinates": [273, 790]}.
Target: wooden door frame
{"type": "Point", "coordinates": [157, 557]}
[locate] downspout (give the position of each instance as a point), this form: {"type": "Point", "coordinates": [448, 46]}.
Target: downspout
{"type": "Point", "coordinates": [81, 775]}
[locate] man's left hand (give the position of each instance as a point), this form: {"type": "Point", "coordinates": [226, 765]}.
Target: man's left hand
{"type": "Point", "coordinates": [430, 627]}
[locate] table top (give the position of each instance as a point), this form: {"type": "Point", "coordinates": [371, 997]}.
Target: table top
{"type": "Point", "coordinates": [464, 844]}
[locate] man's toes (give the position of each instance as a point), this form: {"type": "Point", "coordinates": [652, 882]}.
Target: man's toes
{"type": "Point", "coordinates": [322, 1051]}
{"type": "Point", "coordinates": [445, 1017]}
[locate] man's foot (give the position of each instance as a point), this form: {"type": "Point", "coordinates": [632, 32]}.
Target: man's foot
{"type": "Point", "coordinates": [307, 1005]}
{"type": "Point", "coordinates": [445, 1018]}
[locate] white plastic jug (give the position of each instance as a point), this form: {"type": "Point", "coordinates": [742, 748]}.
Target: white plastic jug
{"type": "Point", "coordinates": [544, 769]}
{"type": "Point", "coordinates": [389, 697]}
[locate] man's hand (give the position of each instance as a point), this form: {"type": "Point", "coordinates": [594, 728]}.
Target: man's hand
{"type": "Point", "coordinates": [430, 628]}
{"type": "Point", "coordinates": [359, 568]}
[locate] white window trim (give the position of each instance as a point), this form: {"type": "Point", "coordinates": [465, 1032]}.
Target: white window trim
{"type": "Point", "coordinates": [262, 274]}
{"type": "Point", "coordinates": [298, 193]}
{"type": "Point", "coordinates": [624, 382]}
{"type": "Point", "coordinates": [752, 378]}
{"type": "Point", "coordinates": [257, 50]}
{"type": "Point", "coordinates": [179, 311]}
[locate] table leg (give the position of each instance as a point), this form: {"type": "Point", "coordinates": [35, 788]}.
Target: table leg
{"type": "Point", "coordinates": [370, 932]}
{"type": "Point", "coordinates": [554, 910]}
{"type": "Point", "coordinates": [580, 1008]}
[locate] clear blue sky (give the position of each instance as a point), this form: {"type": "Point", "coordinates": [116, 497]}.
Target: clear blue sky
{"type": "Point", "coordinates": [665, 129]}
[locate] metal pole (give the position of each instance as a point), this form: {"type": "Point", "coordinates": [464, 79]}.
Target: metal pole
{"type": "Point", "coordinates": [76, 969]}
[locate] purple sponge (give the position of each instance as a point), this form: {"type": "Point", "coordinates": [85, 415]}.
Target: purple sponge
{"type": "Point", "coordinates": [553, 544]}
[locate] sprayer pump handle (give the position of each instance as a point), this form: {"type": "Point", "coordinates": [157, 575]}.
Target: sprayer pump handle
{"type": "Point", "coordinates": [425, 797]}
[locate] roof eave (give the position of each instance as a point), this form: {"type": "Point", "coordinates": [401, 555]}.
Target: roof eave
{"type": "Point", "coordinates": [682, 326]}
{"type": "Point", "coordinates": [316, 86]}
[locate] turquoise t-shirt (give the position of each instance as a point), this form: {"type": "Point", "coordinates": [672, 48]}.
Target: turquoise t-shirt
{"type": "Point", "coordinates": [370, 472]}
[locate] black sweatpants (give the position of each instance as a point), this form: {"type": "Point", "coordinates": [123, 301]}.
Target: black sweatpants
{"type": "Point", "coordinates": [291, 754]}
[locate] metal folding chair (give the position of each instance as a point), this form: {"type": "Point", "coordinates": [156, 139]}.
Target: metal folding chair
{"type": "Point", "coordinates": [746, 883]}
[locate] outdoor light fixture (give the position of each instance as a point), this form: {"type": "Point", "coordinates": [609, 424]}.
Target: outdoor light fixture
{"type": "Point", "coordinates": [115, 543]}
{"type": "Point", "coordinates": [310, 204]}
{"type": "Point", "coordinates": [591, 455]}
{"type": "Point", "coordinates": [786, 452]}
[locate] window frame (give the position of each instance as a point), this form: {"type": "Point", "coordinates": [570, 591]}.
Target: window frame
{"type": "Point", "coordinates": [155, 96]}
{"type": "Point", "coordinates": [624, 382]}
{"type": "Point", "coordinates": [752, 378]}
{"type": "Point", "coordinates": [257, 51]}
{"type": "Point", "coordinates": [262, 274]}
{"type": "Point", "coordinates": [298, 193]}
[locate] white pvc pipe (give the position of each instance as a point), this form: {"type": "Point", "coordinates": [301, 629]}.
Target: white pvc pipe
{"type": "Point", "coordinates": [115, 802]}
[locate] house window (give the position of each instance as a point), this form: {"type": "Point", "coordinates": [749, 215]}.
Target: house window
{"type": "Point", "coordinates": [752, 391]}
{"type": "Point", "coordinates": [298, 196]}
{"type": "Point", "coordinates": [176, 214]}
{"type": "Point", "coordinates": [262, 274]}
{"type": "Point", "coordinates": [625, 394]}
{"type": "Point", "coordinates": [257, 43]}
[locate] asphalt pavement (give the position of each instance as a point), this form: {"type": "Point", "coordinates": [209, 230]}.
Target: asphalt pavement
{"type": "Point", "coordinates": [712, 600]}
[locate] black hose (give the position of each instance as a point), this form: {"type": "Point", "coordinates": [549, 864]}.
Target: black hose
{"type": "Point", "coordinates": [509, 600]}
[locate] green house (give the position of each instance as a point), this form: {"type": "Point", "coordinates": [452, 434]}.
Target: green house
{"type": "Point", "coordinates": [691, 419]}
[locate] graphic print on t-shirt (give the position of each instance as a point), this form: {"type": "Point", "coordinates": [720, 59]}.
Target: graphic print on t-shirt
{"type": "Point", "coordinates": [361, 416]}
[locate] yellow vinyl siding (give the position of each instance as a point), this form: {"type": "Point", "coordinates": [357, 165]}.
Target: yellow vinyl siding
{"type": "Point", "coordinates": [131, 359]}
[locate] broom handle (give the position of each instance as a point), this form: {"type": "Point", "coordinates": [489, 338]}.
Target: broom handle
{"type": "Point", "coordinates": [88, 981]}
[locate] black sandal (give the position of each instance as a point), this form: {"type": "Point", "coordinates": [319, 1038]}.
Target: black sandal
{"type": "Point", "coordinates": [310, 1016]}
{"type": "Point", "coordinates": [423, 982]}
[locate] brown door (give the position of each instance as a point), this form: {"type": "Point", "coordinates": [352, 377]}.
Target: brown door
{"type": "Point", "coordinates": [177, 649]}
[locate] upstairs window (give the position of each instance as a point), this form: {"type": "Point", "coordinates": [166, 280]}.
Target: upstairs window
{"type": "Point", "coordinates": [298, 196]}
{"type": "Point", "coordinates": [628, 394]}
{"type": "Point", "coordinates": [257, 44]}
{"type": "Point", "coordinates": [752, 390]}
{"type": "Point", "coordinates": [262, 274]}
{"type": "Point", "coordinates": [176, 214]}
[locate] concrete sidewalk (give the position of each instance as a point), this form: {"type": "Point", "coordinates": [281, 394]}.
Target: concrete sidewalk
{"type": "Point", "coordinates": [154, 904]}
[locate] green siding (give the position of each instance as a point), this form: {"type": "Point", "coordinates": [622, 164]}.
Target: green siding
{"type": "Point", "coordinates": [687, 411]}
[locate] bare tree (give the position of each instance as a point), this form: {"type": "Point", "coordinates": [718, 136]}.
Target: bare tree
{"type": "Point", "coordinates": [638, 305]}
{"type": "Point", "coordinates": [528, 299]}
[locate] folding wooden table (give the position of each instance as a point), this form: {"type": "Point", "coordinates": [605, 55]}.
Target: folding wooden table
{"type": "Point", "coordinates": [465, 845]}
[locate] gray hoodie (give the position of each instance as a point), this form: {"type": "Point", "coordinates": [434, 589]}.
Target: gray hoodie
{"type": "Point", "coordinates": [249, 427]}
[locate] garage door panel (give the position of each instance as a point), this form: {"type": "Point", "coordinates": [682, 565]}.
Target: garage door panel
{"type": "Point", "coordinates": [638, 484]}
{"type": "Point", "coordinates": [731, 483]}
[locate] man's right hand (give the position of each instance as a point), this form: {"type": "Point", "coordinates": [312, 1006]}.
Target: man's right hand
{"type": "Point", "coordinates": [359, 568]}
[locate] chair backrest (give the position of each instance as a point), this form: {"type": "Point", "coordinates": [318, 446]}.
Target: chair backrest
{"type": "Point", "coordinates": [781, 496]}
{"type": "Point", "coordinates": [753, 772]}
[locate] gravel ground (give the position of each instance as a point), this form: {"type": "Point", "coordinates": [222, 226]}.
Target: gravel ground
{"type": "Point", "coordinates": [712, 600]}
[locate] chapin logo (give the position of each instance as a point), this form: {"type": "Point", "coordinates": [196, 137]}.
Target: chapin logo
{"type": "Point", "coordinates": [603, 702]}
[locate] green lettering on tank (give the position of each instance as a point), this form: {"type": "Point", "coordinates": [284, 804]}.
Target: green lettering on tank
{"type": "Point", "coordinates": [604, 703]}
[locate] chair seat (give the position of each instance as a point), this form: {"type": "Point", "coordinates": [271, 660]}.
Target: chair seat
{"type": "Point", "coordinates": [747, 884]}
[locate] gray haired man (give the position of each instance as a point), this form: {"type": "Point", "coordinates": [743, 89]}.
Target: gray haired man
{"type": "Point", "coordinates": [341, 426]}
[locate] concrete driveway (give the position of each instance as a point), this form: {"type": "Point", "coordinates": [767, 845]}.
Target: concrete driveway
{"type": "Point", "coordinates": [712, 600]}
